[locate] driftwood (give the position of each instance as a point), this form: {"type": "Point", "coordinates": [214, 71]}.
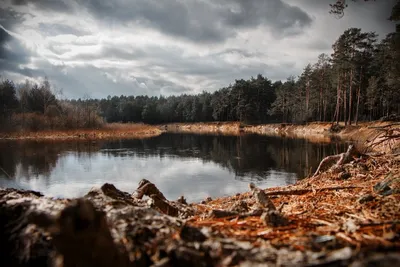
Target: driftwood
{"type": "Point", "coordinates": [158, 200]}
{"type": "Point", "coordinates": [163, 206]}
{"type": "Point", "coordinates": [147, 188]}
{"type": "Point", "coordinates": [336, 161]}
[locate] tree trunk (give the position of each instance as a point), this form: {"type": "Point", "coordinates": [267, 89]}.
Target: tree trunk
{"type": "Point", "coordinates": [350, 96]}
{"type": "Point", "coordinates": [321, 101]}
{"type": "Point", "coordinates": [337, 110]}
{"type": "Point", "coordinates": [344, 101]}
{"type": "Point", "coordinates": [307, 98]}
{"type": "Point", "coordinates": [358, 97]}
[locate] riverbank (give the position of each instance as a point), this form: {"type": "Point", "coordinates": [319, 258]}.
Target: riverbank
{"type": "Point", "coordinates": [366, 135]}
{"type": "Point", "coordinates": [108, 131]}
{"type": "Point", "coordinates": [347, 215]}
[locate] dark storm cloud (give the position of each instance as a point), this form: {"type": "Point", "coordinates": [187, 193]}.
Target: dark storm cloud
{"type": "Point", "coordinates": [204, 21]}
{"type": "Point", "coordinates": [276, 13]}
{"type": "Point", "coordinates": [12, 54]}
{"type": "Point", "coordinates": [10, 17]}
{"type": "Point", "coordinates": [50, 5]}
{"type": "Point", "coordinates": [199, 21]}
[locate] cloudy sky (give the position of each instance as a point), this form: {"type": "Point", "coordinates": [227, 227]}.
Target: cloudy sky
{"type": "Point", "coordinates": [132, 47]}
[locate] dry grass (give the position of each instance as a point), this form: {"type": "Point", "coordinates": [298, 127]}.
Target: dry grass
{"type": "Point", "coordinates": [222, 128]}
{"type": "Point", "coordinates": [108, 131]}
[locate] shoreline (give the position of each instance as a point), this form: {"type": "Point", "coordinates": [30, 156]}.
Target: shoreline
{"type": "Point", "coordinates": [368, 136]}
{"type": "Point", "coordinates": [344, 217]}
{"type": "Point", "coordinates": [365, 135]}
{"type": "Point", "coordinates": [109, 131]}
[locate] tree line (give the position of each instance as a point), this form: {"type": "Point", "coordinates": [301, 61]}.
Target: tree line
{"type": "Point", "coordinates": [359, 81]}
{"type": "Point", "coordinates": [34, 107]}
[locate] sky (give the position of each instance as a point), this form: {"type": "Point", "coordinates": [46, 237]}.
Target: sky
{"type": "Point", "coordinates": [96, 48]}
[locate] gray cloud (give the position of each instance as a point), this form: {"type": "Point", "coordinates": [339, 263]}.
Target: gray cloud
{"type": "Point", "coordinates": [49, 5]}
{"type": "Point", "coordinates": [276, 13]}
{"type": "Point", "coordinates": [9, 17]}
{"type": "Point", "coordinates": [12, 54]}
{"type": "Point", "coordinates": [52, 29]}
{"type": "Point", "coordinates": [154, 47]}
{"type": "Point", "coordinates": [203, 21]}
{"type": "Point", "coordinates": [194, 20]}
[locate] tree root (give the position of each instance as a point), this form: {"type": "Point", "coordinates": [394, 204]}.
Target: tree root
{"type": "Point", "coordinates": [336, 161]}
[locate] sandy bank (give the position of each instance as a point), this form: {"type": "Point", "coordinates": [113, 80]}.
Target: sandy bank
{"type": "Point", "coordinates": [109, 131]}
{"type": "Point", "coordinates": [369, 134]}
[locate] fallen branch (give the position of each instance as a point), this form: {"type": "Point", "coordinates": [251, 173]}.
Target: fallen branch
{"type": "Point", "coordinates": [337, 160]}
{"type": "Point", "coordinates": [305, 191]}
{"type": "Point", "coordinates": [385, 126]}
{"type": "Point", "coordinates": [147, 188]}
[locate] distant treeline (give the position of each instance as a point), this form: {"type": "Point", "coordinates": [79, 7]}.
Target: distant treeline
{"type": "Point", "coordinates": [360, 80]}
{"type": "Point", "coordinates": [34, 107]}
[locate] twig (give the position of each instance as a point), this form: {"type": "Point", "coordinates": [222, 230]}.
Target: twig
{"type": "Point", "coordinates": [378, 223]}
{"type": "Point", "coordinates": [305, 191]}
{"type": "Point", "coordinates": [380, 127]}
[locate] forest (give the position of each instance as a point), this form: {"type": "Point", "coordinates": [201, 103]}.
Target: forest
{"type": "Point", "coordinates": [359, 81]}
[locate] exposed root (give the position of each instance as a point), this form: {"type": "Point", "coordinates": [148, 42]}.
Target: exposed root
{"type": "Point", "coordinates": [335, 161]}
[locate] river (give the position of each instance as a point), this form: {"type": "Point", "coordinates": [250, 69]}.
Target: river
{"type": "Point", "coordinates": [196, 166]}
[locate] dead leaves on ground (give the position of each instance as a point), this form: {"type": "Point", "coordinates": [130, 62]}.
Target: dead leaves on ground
{"type": "Point", "coordinates": [324, 212]}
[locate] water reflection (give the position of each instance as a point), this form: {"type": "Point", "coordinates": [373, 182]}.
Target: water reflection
{"type": "Point", "coordinates": [194, 165]}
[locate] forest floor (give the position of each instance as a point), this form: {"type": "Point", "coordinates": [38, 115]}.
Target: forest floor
{"type": "Point", "coordinates": [346, 215]}
{"type": "Point", "coordinates": [108, 131]}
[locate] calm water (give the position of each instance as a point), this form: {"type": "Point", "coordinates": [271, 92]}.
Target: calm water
{"type": "Point", "coordinates": [195, 166]}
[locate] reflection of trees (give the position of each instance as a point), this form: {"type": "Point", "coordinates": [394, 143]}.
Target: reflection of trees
{"type": "Point", "coordinates": [37, 158]}
{"type": "Point", "coordinates": [246, 155]}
